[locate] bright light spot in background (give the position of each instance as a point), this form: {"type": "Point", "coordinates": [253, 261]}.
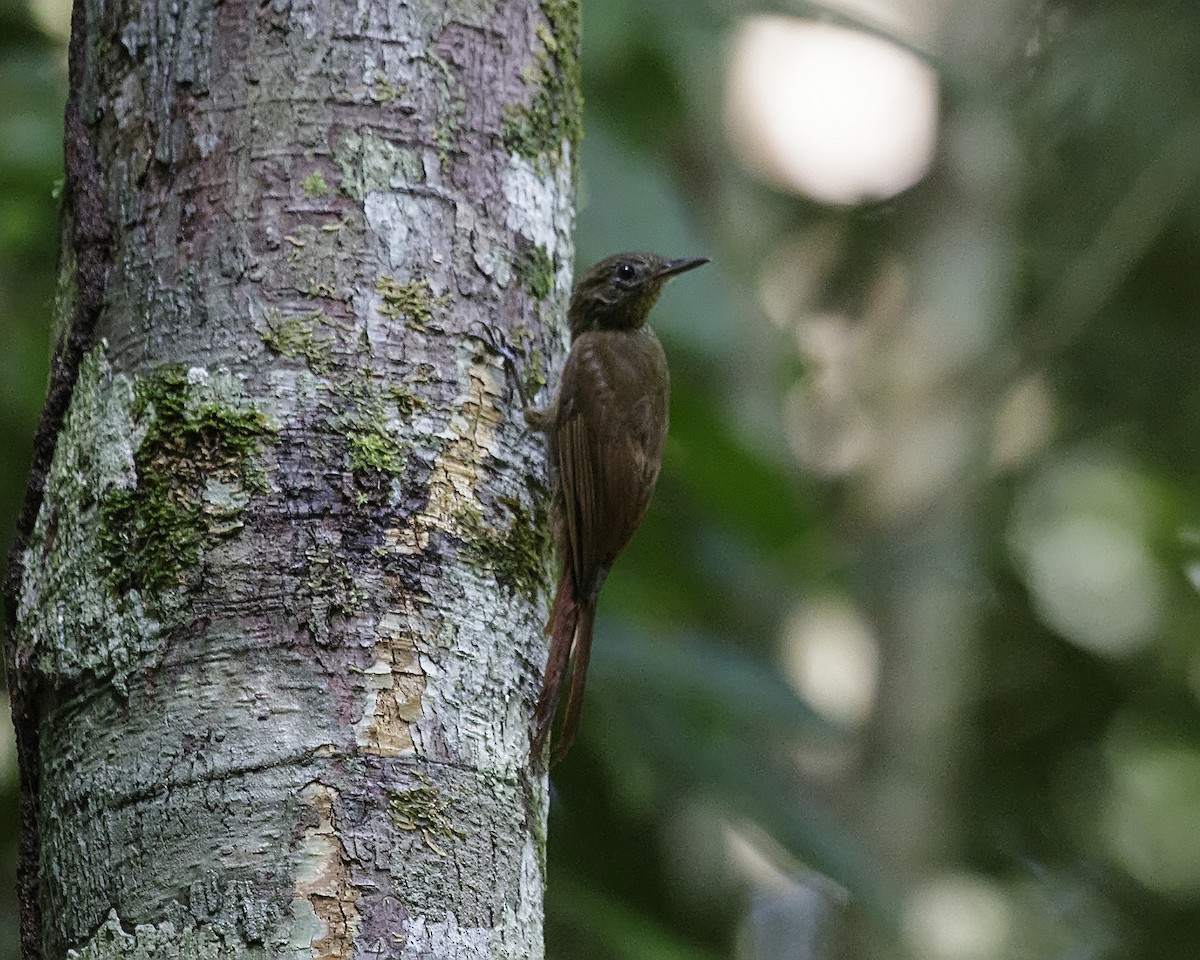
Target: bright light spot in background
{"type": "Point", "coordinates": [1151, 810]}
{"type": "Point", "coordinates": [958, 917]}
{"type": "Point", "coordinates": [924, 446]}
{"type": "Point", "coordinates": [831, 657]}
{"type": "Point", "coordinates": [829, 112]}
{"type": "Point", "coordinates": [1079, 534]}
{"type": "Point", "coordinates": [53, 16]}
{"type": "Point", "coordinates": [1094, 582]}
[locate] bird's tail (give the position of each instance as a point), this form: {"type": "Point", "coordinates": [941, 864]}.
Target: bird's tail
{"type": "Point", "coordinates": [570, 629]}
{"type": "Point", "coordinates": [581, 651]}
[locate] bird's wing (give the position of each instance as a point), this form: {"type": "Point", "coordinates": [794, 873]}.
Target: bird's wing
{"type": "Point", "coordinates": [609, 440]}
{"type": "Point", "coordinates": [581, 475]}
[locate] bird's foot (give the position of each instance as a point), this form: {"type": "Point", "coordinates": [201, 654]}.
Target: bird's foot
{"type": "Point", "coordinates": [491, 337]}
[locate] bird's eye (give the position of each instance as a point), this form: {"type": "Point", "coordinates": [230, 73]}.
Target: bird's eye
{"type": "Point", "coordinates": [626, 272]}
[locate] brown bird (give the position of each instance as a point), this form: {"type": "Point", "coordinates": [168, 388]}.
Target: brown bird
{"type": "Point", "coordinates": [606, 428]}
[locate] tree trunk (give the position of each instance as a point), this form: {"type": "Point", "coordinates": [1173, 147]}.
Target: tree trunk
{"type": "Point", "coordinates": [275, 607]}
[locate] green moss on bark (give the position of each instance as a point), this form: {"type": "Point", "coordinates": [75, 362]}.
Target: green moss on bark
{"type": "Point", "coordinates": [152, 533]}
{"type": "Point", "coordinates": [314, 184]}
{"type": "Point", "coordinates": [332, 591]}
{"type": "Point", "coordinates": [145, 473]}
{"type": "Point", "coordinates": [369, 415]}
{"type": "Point", "coordinates": [533, 375]}
{"type": "Point", "coordinates": [412, 302]}
{"type": "Point", "coordinates": [384, 90]}
{"type": "Point", "coordinates": [366, 414]}
{"type": "Point", "coordinates": [372, 448]}
{"type": "Point", "coordinates": [312, 337]}
{"type": "Point", "coordinates": [554, 114]}
{"type": "Point", "coordinates": [515, 554]}
{"type": "Point", "coordinates": [407, 403]}
{"type": "Point", "coordinates": [535, 268]}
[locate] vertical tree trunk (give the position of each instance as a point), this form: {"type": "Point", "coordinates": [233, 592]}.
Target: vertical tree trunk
{"type": "Point", "coordinates": [275, 606]}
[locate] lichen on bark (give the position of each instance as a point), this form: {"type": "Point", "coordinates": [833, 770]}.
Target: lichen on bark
{"type": "Point", "coordinates": [146, 472]}
{"type": "Point", "coordinates": [161, 941]}
{"type": "Point", "coordinates": [517, 550]}
{"type": "Point", "coordinates": [538, 129]}
{"type": "Point", "coordinates": [62, 598]}
{"type": "Point", "coordinates": [197, 465]}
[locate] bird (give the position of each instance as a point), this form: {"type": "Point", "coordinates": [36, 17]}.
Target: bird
{"type": "Point", "coordinates": [606, 427]}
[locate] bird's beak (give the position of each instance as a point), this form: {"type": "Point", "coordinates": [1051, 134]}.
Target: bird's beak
{"type": "Point", "coordinates": [675, 267]}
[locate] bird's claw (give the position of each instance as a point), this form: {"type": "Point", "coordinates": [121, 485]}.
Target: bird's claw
{"type": "Point", "coordinates": [490, 337]}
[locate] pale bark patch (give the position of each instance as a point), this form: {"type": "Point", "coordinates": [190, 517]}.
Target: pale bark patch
{"type": "Point", "coordinates": [536, 203]}
{"type": "Point", "coordinates": [444, 938]}
{"type": "Point", "coordinates": [323, 879]}
{"type": "Point", "coordinates": [471, 436]}
{"type": "Point", "coordinates": [394, 684]}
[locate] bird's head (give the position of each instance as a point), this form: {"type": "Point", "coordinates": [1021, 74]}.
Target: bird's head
{"type": "Point", "coordinates": [618, 292]}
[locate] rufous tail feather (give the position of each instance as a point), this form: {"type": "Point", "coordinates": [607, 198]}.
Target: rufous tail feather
{"type": "Point", "coordinates": [561, 627]}
{"type": "Point", "coordinates": [581, 652]}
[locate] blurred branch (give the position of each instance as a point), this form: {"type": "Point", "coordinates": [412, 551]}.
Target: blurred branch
{"type": "Point", "coordinates": [735, 776]}
{"type": "Point", "coordinates": [1133, 226]}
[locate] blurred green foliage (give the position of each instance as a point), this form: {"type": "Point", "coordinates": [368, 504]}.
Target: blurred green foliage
{"type": "Point", "coordinates": [1034, 746]}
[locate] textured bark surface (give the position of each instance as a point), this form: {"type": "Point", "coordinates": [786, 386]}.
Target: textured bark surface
{"type": "Point", "coordinates": [277, 597]}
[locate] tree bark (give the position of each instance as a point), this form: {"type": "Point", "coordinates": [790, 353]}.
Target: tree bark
{"type": "Point", "coordinates": [275, 606]}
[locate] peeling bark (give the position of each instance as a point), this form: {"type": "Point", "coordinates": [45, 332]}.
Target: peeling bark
{"type": "Point", "coordinates": [275, 606]}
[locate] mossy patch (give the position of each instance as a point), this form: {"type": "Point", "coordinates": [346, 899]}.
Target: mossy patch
{"type": "Point", "coordinates": [332, 591]}
{"type": "Point", "coordinates": [301, 338]}
{"type": "Point", "coordinates": [407, 403]}
{"type": "Point", "coordinates": [423, 808]}
{"type": "Point", "coordinates": [314, 184]}
{"type": "Point", "coordinates": [372, 448]}
{"type": "Point", "coordinates": [554, 114]}
{"type": "Point", "coordinates": [534, 267]}
{"type": "Point", "coordinates": [384, 90]}
{"type": "Point", "coordinates": [412, 302]}
{"type": "Point", "coordinates": [152, 533]}
{"type": "Point", "coordinates": [367, 417]}
{"type": "Point", "coordinates": [516, 553]}
{"type": "Point", "coordinates": [324, 344]}
{"type": "Point", "coordinates": [319, 290]}
{"type": "Point", "coordinates": [533, 371]}
{"type": "Point", "coordinates": [365, 413]}
{"type": "Point", "coordinates": [533, 375]}
{"type": "Point", "coordinates": [69, 620]}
